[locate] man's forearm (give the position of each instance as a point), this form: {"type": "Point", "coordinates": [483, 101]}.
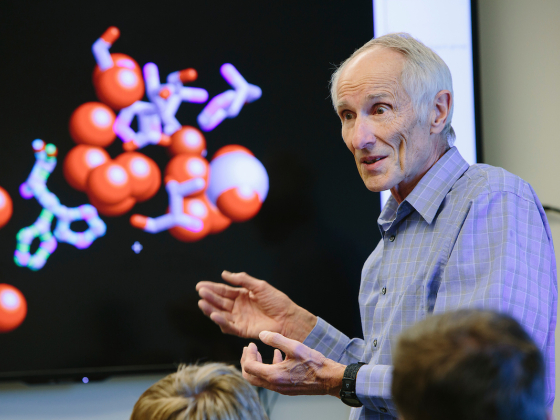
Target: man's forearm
{"type": "Point", "coordinates": [300, 322]}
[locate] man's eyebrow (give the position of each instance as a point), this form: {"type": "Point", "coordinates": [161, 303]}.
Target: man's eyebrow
{"type": "Point", "coordinates": [377, 96]}
{"type": "Point", "coordinates": [341, 104]}
{"type": "Point", "coordinates": [369, 97]}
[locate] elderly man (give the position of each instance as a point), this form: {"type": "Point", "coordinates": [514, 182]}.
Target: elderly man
{"type": "Point", "coordinates": [453, 236]}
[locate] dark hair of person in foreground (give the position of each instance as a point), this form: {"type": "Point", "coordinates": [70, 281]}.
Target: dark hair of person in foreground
{"type": "Point", "coordinates": [213, 391]}
{"type": "Point", "coordinates": [468, 364]}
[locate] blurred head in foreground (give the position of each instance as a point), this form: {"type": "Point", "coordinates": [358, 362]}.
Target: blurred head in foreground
{"type": "Point", "coordinates": [468, 364]}
{"type": "Point", "coordinates": [212, 391]}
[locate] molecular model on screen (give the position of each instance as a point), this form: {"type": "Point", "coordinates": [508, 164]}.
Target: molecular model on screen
{"type": "Point", "coordinates": [204, 198]}
{"type": "Point", "coordinates": [13, 308]}
{"type": "Point", "coordinates": [36, 186]}
{"type": "Point", "coordinates": [6, 207]}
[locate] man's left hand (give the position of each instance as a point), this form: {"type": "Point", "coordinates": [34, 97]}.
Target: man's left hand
{"type": "Point", "coordinates": [304, 371]}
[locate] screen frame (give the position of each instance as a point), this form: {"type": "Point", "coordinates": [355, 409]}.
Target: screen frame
{"type": "Point", "coordinates": [477, 82]}
{"type": "Point", "coordinates": [101, 373]}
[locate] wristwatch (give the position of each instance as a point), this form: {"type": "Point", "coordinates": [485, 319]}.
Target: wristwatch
{"type": "Point", "coordinates": [348, 390]}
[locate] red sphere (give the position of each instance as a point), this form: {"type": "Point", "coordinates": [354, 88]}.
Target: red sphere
{"type": "Point", "coordinates": [219, 222]}
{"type": "Point", "coordinates": [80, 161]}
{"type": "Point", "coordinates": [121, 85]}
{"type": "Point", "coordinates": [92, 123]}
{"type": "Point", "coordinates": [13, 308]}
{"type": "Point", "coordinates": [145, 176]}
{"type": "Point", "coordinates": [184, 167]}
{"type": "Point", "coordinates": [188, 140]}
{"type": "Point", "coordinates": [231, 148]}
{"type": "Point", "coordinates": [6, 207]}
{"type": "Point", "coordinates": [109, 184]}
{"type": "Point", "coordinates": [239, 205]}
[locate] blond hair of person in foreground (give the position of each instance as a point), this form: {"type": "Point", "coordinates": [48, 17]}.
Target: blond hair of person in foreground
{"type": "Point", "coordinates": [212, 391]}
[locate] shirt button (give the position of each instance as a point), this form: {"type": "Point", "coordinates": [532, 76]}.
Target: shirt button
{"type": "Point", "coordinates": [392, 238]}
{"type": "Point", "coordinates": [375, 343]}
{"type": "Point", "coordinates": [384, 290]}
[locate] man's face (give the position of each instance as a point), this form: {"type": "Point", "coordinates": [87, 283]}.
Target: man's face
{"type": "Point", "coordinates": [392, 150]}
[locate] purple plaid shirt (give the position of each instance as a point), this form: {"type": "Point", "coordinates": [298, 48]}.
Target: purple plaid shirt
{"type": "Point", "coordinates": [466, 237]}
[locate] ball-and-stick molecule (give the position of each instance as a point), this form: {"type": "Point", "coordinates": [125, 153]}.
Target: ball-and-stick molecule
{"type": "Point", "coordinates": [229, 103]}
{"type": "Point", "coordinates": [35, 186]}
{"type": "Point", "coordinates": [199, 204]}
{"type": "Point", "coordinates": [169, 96]}
{"type": "Point", "coordinates": [149, 126]}
{"type": "Point", "coordinates": [156, 119]}
{"type": "Point", "coordinates": [176, 217]}
{"type": "Point", "coordinates": [205, 199]}
{"type": "Point", "coordinates": [117, 77]}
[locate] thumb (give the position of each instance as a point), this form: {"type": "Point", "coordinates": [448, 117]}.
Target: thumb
{"type": "Point", "coordinates": [279, 341]}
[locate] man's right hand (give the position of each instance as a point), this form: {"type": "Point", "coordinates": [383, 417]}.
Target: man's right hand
{"type": "Point", "coordinates": [253, 306]}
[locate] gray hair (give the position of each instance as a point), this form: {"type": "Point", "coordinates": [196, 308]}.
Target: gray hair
{"type": "Point", "coordinates": [423, 75]}
{"type": "Point", "coordinates": [213, 391]}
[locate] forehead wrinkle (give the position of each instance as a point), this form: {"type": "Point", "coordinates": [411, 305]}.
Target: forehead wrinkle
{"type": "Point", "coordinates": [374, 87]}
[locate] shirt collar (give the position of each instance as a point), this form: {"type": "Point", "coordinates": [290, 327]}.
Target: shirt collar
{"type": "Point", "coordinates": [427, 196]}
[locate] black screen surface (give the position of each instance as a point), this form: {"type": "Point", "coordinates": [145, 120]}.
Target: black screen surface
{"type": "Point", "coordinates": [106, 306]}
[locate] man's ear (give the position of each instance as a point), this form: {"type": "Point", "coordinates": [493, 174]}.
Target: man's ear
{"type": "Point", "coordinates": [440, 111]}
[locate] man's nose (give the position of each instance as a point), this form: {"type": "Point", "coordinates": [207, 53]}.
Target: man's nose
{"type": "Point", "coordinates": [363, 136]}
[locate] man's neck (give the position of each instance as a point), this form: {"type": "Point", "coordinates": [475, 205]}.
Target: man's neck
{"type": "Point", "coordinates": [404, 188]}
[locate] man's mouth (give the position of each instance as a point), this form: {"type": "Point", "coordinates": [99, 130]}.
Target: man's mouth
{"type": "Point", "coordinates": [369, 160]}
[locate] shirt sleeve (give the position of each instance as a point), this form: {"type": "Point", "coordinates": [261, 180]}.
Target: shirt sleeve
{"type": "Point", "coordinates": [503, 259]}
{"type": "Point", "coordinates": [333, 344]}
{"type": "Point", "coordinates": [373, 388]}
{"type": "Point", "coordinates": [373, 382]}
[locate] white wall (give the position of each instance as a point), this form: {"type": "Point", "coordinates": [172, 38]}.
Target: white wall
{"type": "Point", "coordinates": [445, 27]}
{"type": "Point", "coordinates": [109, 400]}
{"type": "Point", "coordinates": [520, 66]}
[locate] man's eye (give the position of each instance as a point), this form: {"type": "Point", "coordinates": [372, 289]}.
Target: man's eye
{"type": "Point", "coordinates": [347, 116]}
{"type": "Point", "coordinates": [380, 110]}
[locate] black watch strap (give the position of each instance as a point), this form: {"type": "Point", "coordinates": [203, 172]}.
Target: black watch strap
{"type": "Point", "coordinates": [348, 390]}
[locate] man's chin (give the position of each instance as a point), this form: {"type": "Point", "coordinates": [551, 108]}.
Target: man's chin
{"type": "Point", "coordinates": [375, 186]}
